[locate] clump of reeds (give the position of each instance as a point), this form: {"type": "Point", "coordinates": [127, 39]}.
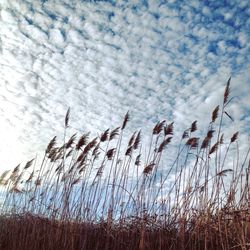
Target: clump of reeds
{"type": "Point", "coordinates": [103, 193]}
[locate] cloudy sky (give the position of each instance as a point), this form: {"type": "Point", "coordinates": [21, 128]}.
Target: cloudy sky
{"type": "Point", "coordinates": [162, 60]}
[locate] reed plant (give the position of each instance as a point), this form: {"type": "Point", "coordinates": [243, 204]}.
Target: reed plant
{"type": "Point", "coordinates": [104, 193]}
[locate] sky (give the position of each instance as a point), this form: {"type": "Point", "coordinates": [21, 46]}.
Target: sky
{"type": "Point", "coordinates": [161, 60]}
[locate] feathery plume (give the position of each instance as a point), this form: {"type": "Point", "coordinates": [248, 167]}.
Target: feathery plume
{"type": "Point", "coordinates": [234, 137]}
{"type": "Point", "coordinates": [214, 148]}
{"type": "Point", "coordinates": [29, 164]}
{"type": "Point", "coordinates": [193, 126]}
{"type": "Point", "coordinates": [131, 140]}
{"type": "Point", "coordinates": [2, 177]}
{"type": "Point", "coordinates": [193, 142]}
{"type": "Point", "coordinates": [90, 145]}
{"type": "Point", "coordinates": [51, 145]}
{"type": "Point", "coordinates": [224, 172]}
{"type": "Point", "coordinates": [138, 160]}
{"type": "Point", "coordinates": [82, 141]}
{"type": "Point", "coordinates": [126, 119]}
{"type": "Point", "coordinates": [163, 144]}
{"type": "Point", "coordinates": [148, 169]}
{"type": "Point", "coordinates": [215, 113]}
{"type": "Point", "coordinates": [66, 121]}
{"type": "Point", "coordinates": [185, 134]}
{"type": "Point", "coordinates": [168, 130]}
{"type": "Point", "coordinates": [227, 91]}
{"type": "Point", "coordinates": [104, 136]}
{"type": "Point", "coordinates": [158, 127]}
{"type": "Point", "coordinates": [137, 140]}
{"type": "Point", "coordinates": [114, 133]}
{"type": "Point", "coordinates": [70, 141]}
{"type": "Point", "coordinates": [129, 151]}
{"type": "Point", "coordinates": [110, 153]}
{"type": "Point", "coordinates": [205, 142]}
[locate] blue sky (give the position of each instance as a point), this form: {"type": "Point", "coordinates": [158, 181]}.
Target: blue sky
{"type": "Point", "coordinates": [162, 60]}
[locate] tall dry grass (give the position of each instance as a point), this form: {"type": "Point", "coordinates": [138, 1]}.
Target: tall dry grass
{"type": "Point", "coordinates": [104, 193]}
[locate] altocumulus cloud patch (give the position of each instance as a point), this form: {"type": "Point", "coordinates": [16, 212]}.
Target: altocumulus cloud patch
{"type": "Point", "coordinates": [160, 60]}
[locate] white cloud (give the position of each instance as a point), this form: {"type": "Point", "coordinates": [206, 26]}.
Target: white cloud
{"type": "Point", "coordinates": [160, 62]}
